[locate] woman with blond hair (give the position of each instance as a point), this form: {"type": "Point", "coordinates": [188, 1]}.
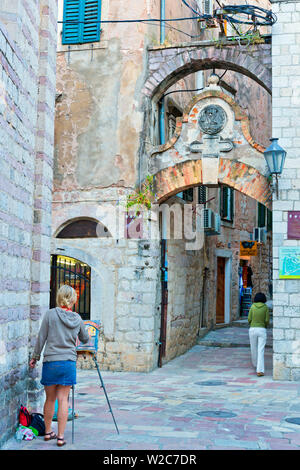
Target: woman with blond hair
{"type": "Point", "coordinates": [58, 333]}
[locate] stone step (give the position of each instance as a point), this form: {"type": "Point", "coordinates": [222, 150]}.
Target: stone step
{"type": "Point", "coordinates": [243, 323]}
{"type": "Point", "coordinates": [232, 336]}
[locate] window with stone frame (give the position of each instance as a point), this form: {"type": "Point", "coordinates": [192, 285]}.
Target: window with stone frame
{"type": "Point", "coordinates": [172, 114]}
{"type": "Point", "coordinates": [226, 203]}
{"type": "Point", "coordinates": [264, 217]}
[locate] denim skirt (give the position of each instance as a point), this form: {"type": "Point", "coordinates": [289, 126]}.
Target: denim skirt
{"type": "Point", "coordinates": [59, 373]}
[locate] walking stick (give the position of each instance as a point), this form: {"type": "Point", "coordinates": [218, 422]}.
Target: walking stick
{"type": "Point", "coordinates": [103, 386]}
{"type": "Point", "coordinates": [73, 417]}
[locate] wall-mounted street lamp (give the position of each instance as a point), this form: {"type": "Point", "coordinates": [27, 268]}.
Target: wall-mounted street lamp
{"type": "Point", "coordinates": [275, 157]}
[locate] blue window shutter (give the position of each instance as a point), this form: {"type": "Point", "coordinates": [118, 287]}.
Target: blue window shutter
{"type": "Point", "coordinates": [261, 215]}
{"type": "Point", "coordinates": [227, 203]}
{"type": "Point", "coordinates": [71, 25]}
{"type": "Point", "coordinates": [81, 21]}
{"type": "Point", "coordinates": [92, 14]}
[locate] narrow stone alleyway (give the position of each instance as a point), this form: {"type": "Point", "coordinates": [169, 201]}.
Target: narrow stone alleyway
{"type": "Point", "coordinates": [209, 398]}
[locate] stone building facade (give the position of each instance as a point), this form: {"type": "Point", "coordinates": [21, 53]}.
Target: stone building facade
{"type": "Point", "coordinates": [104, 131]}
{"type": "Point", "coordinates": [107, 121]}
{"type": "Point", "coordinates": [285, 116]}
{"type": "Point", "coordinates": [27, 93]}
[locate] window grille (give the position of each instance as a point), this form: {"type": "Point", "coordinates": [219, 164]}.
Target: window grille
{"type": "Point", "coordinates": [202, 194]}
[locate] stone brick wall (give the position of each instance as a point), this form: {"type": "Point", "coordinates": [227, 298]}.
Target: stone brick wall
{"type": "Point", "coordinates": [286, 114]}
{"type": "Point", "coordinates": [184, 297]}
{"type": "Point", "coordinates": [27, 54]}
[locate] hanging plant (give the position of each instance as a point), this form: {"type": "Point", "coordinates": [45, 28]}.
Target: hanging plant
{"type": "Point", "coordinates": [144, 197]}
{"type": "Point", "coordinates": [250, 38]}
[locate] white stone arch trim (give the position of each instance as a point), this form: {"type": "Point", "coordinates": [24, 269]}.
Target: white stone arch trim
{"type": "Point", "coordinates": [69, 213]}
{"type": "Point", "coordinates": [103, 295]}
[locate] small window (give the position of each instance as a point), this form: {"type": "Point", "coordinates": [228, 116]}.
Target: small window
{"type": "Point", "coordinates": [84, 228]}
{"type": "Point", "coordinates": [269, 220]}
{"type": "Point", "coordinates": [261, 215]}
{"type": "Point", "coordinates": [227, 203]}
{"type": "Point", "coordinates": [186, 195]}
{"type": "Point", "coordinates": [81, 21]}
{"type": "Point", "coordinates": [172, 114]}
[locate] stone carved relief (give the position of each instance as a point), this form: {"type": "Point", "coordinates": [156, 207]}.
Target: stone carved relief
{"type": "Point", "coordinates": [212, 119]}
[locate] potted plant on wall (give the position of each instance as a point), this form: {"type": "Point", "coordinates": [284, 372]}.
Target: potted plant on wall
{"type": "Point", "coordinates": [138, 206]}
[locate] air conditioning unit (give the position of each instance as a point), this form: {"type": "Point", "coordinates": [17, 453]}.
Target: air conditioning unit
{"type": "Point", "coordinates": [260, 234]}
{"type": "Point", "coordinates": [211, 222]}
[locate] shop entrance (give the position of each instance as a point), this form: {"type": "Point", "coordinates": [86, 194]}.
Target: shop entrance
{"type": "Point", "coordinates": [223, 290]}
{"type": "Point", "coordinates": [220, 304]}
{"type": "Point", "coordinates": [71, 271]}
{"type": "Point", "coordinates": [246, 285]}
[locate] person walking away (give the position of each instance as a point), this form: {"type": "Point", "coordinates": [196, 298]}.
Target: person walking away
{"type": "Point", "coordinates": [58, 333]}
{"type": "Point", "coordinates": [258, 319]}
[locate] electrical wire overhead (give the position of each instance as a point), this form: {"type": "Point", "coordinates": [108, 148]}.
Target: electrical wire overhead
{"type": "Point", "coordinates": [259, 16]}
{"type": "Point", "coordinates": [247, 14]}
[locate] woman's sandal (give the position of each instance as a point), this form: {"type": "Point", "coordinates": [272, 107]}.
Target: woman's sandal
{"type": "Point", "coordinates": [51, 435]}
{"type": "Point", "coordinates": [63, 441]}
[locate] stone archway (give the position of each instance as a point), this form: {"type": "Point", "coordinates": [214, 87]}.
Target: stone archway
{"type": "Point", "coordinates": [169, 64]}
{"type": "Point", "coordinates": [176, 167]}
{"type": "Point", "coordinates": [237, 175]}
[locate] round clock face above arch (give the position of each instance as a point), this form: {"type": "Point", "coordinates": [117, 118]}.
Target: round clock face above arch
{"type": "Point", "coordinates": [212, 119]}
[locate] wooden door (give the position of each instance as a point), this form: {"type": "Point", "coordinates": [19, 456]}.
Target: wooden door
{"type": "Point", "coordinates": [220, 306]}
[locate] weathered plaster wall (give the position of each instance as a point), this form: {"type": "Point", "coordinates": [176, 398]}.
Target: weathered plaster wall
{"type": "Point", "coordinates": [99, 116]}
{"type": "Point", "coordinates": [99, 123]}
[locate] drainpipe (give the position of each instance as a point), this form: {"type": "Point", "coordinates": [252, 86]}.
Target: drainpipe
{"type": "Point", "coordinates": [162, 138]}
{"type": "Point", "coordinates": [164, 262]}
{"type": "Point", "coordinates": [164, 293]}
{"type": "Point", "coordinates": [162, 23]}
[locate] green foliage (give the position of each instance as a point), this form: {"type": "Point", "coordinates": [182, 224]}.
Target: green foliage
{"type": "Point", "coordinates": [249, 38]}
{"type": "Point", "coordinates": [144, 197]}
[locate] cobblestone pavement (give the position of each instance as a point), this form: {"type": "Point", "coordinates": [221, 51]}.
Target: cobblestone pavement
{"type": "Point", "coordinates": [159, 410]}
{"type": "Point", "coordinates": [233, 336]}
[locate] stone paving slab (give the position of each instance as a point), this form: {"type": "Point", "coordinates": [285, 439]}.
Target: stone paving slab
{"type": "Point", "coordinates": [158, 410]}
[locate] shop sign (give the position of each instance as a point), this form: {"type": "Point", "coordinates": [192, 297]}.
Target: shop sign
{"type": "Point", "coordinates": [293, 225]}
{"type": "Point", "coordinates": [289, 262]}
{"type": "Point", "coordinates": [248, 248]}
